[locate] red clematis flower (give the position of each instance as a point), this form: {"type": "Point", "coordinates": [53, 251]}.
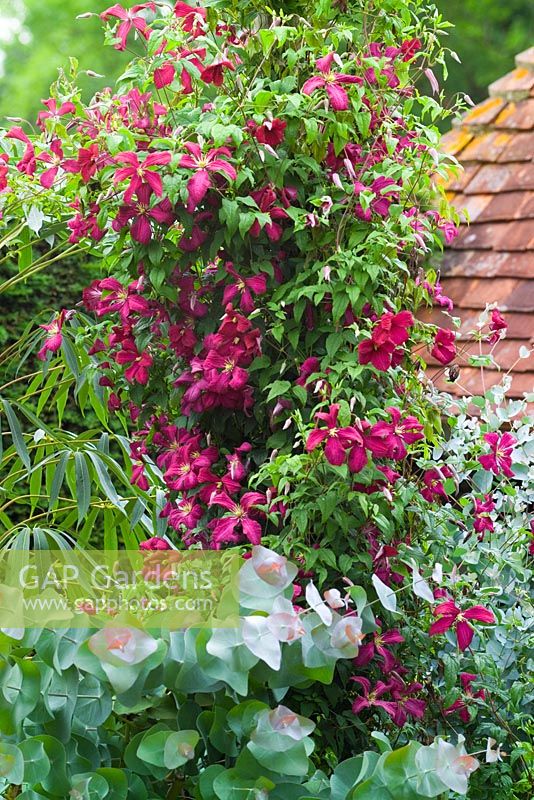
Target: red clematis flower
{"type": "Point", "coordinates": [129, 19]}
{"type": "Point", "coordinates": [390, 331]}
{"type": "Point", "coordinates": [389, 439]}
{"type": "Point", "coordinates": [453, 617]}
{"type": "Point", "coordinates": [214, 72]}
{"type": "Point", "coordinates": [184, 467]}
{"type": "Point", "coordinates": [193, 18]}
{"type": "Point", "coordinates": [266, 200]}
{"type": "Point", "coordinates": [367, 651]}
{"type": "Point", "coordinates": [270, 132]}
{"type": "Point", "coordinates": [155, 543]}
{"type": "Point", "coordinates": [433, 480]}
{"type": "Point", "coordinates": [54, 111]}
{"type": "Point", "coordinates": [140, 363]}
{"type": "Point", "coordinates": [195, 57]}
{"type": "Point", "coordinates": [139, 478]}
{"type": "Point", "coordinates": [142, 212]}
{"type": "Point", "coordinates": [372, 698]}
{"type": "Point", "coordinates": [386, 193]}
{"type": "Point", "coordinates": [213, 484]}
{"type": "Point", "coordinates": [140, 173]}
{"type": "Point", "coordinates": [466, 679]}
{"type": "Point", "coordinates": [27, 163]}
{"type": "Point", "coordinates": [203, 165]}
{"type": "Point", "coordinates": [239, 521]}
{"type": "Point", "coordinates": [308, 367]}
{"type": "Point", "coordinates": [500, 458]}
{"type": "Point", "coordinates": [444, 349]}
{"type": "Point", "coordinates": [55, 157]}
{"type": "Point", "coordinates": [483, 521]}
{"type": "Point", "coordinates": [54, 339]}
{"type": "Point", "coordinates": [87, 163]}
{"type": "Point", "coordinates": [357, 459]}
{"type": "Point", "coordinates": [236, 468]}
{"type": "Point", "coordinates": [330, 81]}
{"type": "Point", "coordinates": [118, 298]}
{"type": "Point", "coordinates": [164, 75]}
{"type": "Point", "coordinates": [4, 171]}
{"type": "Point", "coordinates": [186, 513]}
{"type": "Point", "coordinates": [246, 287]}
{"type": "Point", "coordinates": [338, 440]}
{"type": "Point", "coordinates": [81, 226]}
{"type": "Point", "coordinates": [406, 704]}
{"type": "Point", "coordinates": [497, 326]}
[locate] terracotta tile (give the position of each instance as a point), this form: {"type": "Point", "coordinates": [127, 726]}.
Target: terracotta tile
{"type": "Point", "coordinates": [515, 85]}
{"type": "Point", "coordinates": [505, 206]}
{"type": "Point", "coordinates": [517, 116]}
{"type": "Point", "coordinates": [488, 264]}
{"type": "Point", "coordinates": [522, 177]}
{"type": "Point", "coordinates": [485, 112]}
{"type": "Point", "coordinates": [517, 235]}
{"type": "Point", "coordinates": [519, 148]}
{"type": "Point", "coordinates": [526, 58]}
{"type": "Point", "coordinates": [509, 293]}
{"type": "Point", "coordinates": [454, 141]}
{"type": "Point", "coordinates": [474, 205]}
{"type": "Point", "coordinates": [456, 184]}
{"type": "Point", "coordinates": [478, 236]}
{"type": "Point", "coordinates": [492, 260]}
{"type": "Point", "coordinates": [521, 298]}
{"type": "Point", "coordinates": [502, 177]}
{"type": "Point", "coordinates": [486, 147]}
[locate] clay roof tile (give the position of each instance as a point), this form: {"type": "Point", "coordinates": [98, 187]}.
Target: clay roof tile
{"type": "Point", "coordinates": [492, 260]}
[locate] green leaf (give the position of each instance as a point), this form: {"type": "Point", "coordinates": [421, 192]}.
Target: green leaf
{"type": "Point", "coordinates": [11, 763]}
{"type": "Point", "coordinates": [293, 762]}
{"type": "Point", "coordinates": [117, 781]}
{"type": "Point", "coordinates": [152, 746]}
{"type": "Point", "coordinates": [179, 748]}
{"type": "Point", "coordinates": [57, 482]}
{"type": "Point", "coordinates": [233, 785]}
{"type": "Point", "coordinates": [36, 762]}
{"type": "Point", "coordinates": [278, 388]}
{"type": "Point", "coordinates": [71, 358]}
{"type": "Point", "coordinates": [16, 433]}
{"type": "Point", "coordinates": [83, 485]}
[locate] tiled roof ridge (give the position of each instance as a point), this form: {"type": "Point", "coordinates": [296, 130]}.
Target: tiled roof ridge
{"type": "Point", "coordinates": [514, 86]}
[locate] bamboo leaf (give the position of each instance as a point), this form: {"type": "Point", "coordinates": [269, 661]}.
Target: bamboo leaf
{"type": "Point", "coordinates": [110, 530]}
{"type": "Point", "coordinates": [83, 485]}
{"type": "Point", "coordinates": [105, 481]}
{"type": "Point", "coordinates": [16, 433]}
{"type": "Point", "coordinates": [57, 482]}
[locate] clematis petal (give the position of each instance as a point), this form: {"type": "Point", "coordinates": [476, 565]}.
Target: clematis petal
{"type": "Point", "coordinates": [464, 634]}
{"type": "Point", "coordinates": [334, 451]}
{"type": "Point", "coordinates": [480, 613]}
{"type": "Point", "coordinates": [442, 625]}
{"type": "Point", "coordinates": [197, 187]}
{"type": "Point", "coordinates": [339, 99]}
{"type": "Point", "coordinates": [315, 438]}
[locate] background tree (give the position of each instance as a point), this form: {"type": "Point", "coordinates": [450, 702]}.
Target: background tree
{"type": "Point", "coordinates": [487, 35]}
{"type": "Point", "coordinates": [44, 35]}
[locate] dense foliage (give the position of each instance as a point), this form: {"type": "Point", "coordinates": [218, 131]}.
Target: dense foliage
{"type": "Point", "coordinates": [260, 194]}
{"type": "Point", "coordinates": [486, 36]}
